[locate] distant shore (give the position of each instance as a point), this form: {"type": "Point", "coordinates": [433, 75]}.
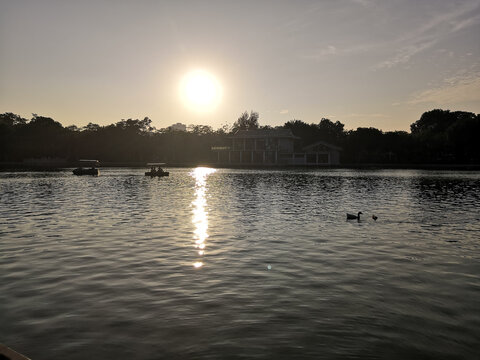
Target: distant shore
{"type": "Point", "coordinates": [60, 166]}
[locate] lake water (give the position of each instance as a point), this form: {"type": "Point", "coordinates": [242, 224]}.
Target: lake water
{"type": "Point", "coordinates": [215, 264]}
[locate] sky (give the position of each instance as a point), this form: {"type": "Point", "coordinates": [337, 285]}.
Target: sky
{"type": "Point", "coordinates": [365, 63]}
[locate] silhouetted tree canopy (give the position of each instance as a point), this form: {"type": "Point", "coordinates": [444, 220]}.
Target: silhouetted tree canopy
{"type": "Point", "coordinates": [439, 136]}
{"type": "Point", "coordinates": [10, 120]}
{"type": "Point", "coordinates": [446, 136]}
{"type": "Point", "coordinates": [325, 130]}
{"type": "Point", "coordinates": [306, 132]}
{"type": "Point", "coordinates": [331, 131]}
{"type": "Point", "coordinates": [246, 122]}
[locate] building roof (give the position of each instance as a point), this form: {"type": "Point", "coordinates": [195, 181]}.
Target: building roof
{"type": "Point", "coordinates": [330, 146]}
{"type": "Point", "coordinates": [264, 133]}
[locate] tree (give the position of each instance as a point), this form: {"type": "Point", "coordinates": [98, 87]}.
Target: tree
{"type": "Point", "coordinates": [11, 120]}
{"type": "Point", "coordinates": [246, 122]}
{"type": "Point", "coordinates": [434, 121]}
{"type": "Point", "coordinates": [363, 145]}
{"type": "Point", "coordinates": [308, 133]}
{"type": "Point", "coordinates": [223, 130]}
{"type": "Point", "coordinates": [72, 128]}
{"type": "Point", "coordinates": [200, 129]}
{"type": "Point", "coordinates": [42, 122]}
{"type": "Point", "coordinates": [9, 125]}
{"type": "Point", "coordinates": [331, 131]}
{"type": "Point", "coordinates": [91, 127]}
{"type": "Point", "coordinates": [445, 136]}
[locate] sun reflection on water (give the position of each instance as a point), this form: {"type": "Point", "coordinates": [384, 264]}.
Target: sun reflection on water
{"type": "Point", "coordinates": [200, 215]}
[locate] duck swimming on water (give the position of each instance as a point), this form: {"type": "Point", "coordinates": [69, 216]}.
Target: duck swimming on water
{"type": "Point", "coordinates": [354, 217]}
{"type": "Point", "coordinates": [374, 217]}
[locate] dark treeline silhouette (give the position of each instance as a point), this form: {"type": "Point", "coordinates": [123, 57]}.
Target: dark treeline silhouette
{"type": "Point", "coordinates": [438, 137]}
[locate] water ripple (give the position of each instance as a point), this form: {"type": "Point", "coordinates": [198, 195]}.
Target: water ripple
{"type": "Point", "coordinates": [102, 266]}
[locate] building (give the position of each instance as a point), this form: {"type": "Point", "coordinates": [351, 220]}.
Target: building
{"type": "Point", "coordinates": [274, 147]}
{"type": "Point", "coordinates": [322, 153]}
{"type": "Point", "coordinates": [178, 127]}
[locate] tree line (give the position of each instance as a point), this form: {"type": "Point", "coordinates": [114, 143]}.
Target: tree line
{"type": "Point", "coordinates": [438, 137]}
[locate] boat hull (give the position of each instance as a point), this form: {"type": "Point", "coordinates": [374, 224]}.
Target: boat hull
{"type": "Point", "coordinates": [82, 171]}
{"type": "Point", "coordinates": [152, 174]}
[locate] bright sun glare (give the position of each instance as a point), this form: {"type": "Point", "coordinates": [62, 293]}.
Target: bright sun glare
{"type": "Point", "coordinates": [200, 91]}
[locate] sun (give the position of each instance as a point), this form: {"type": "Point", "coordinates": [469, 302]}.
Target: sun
{"type": "Point", "coordinates": [200, 91]}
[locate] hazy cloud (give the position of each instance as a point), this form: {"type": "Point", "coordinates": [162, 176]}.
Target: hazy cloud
{"type": "Point", "coordinates": [321, 54]}
{"type": "Point", "coordinates": [454, 90]}
{"type": "Point", "coordinates": [365, 3]}
{"type": "Point", "coordinates": [331, 50]}
{"type": "Point", "coordinates": [316, 54]}
{"type": "Point", "coordinates": [466, 23]}
{"type": "Point", "coordinates": [371, 115]}
{"type": "Point", "coordinates": [405, 54]}
{"type": "Point", "coordinates": [430, 33]}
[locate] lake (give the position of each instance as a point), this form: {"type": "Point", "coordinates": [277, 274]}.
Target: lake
{"type": "Point", "coordinates": [237, 264]}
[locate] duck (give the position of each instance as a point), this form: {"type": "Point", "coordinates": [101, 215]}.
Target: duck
{"type": "Point", "coordinates": [354, 217]}
{"type": "Point", "coordinates": [374, 217]}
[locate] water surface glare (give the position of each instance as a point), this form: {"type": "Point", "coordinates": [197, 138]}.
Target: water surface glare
{"type": "Point", "coordinates": [215, 264]}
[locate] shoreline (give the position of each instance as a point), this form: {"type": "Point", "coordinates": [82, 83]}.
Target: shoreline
{"type": "Point", "coordinates": [56, 166]}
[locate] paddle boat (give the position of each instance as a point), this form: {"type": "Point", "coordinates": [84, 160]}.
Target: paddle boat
{"type": "Point", "coordinates": [87, 167]}
{"type": "Point", "coordinates": [156, 170]}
